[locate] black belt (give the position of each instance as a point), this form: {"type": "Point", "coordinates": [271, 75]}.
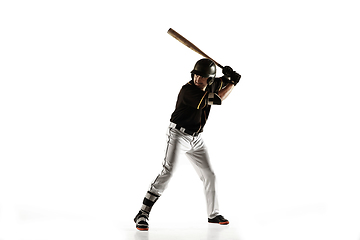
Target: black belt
{"type": "Point", "coordinates": [181, 129]}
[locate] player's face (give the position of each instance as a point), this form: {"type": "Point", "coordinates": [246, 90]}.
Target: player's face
{"type": "Point", "coordinates": [200, 81]}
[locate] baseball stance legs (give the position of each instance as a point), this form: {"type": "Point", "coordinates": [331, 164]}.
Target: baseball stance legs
{"type": "Point", "coordinates": [194, 148]}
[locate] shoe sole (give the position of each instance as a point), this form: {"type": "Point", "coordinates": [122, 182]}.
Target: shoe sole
{"type": "Point", "coordinates": [224, 223]}
{"type": "Point", "coordinates": [221, 223]}
{"type": "Point", "coordinates": [142, 229]}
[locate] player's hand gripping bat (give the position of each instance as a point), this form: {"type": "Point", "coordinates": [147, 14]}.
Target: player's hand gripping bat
{"type": "Point", "coordinates": [187, 43]}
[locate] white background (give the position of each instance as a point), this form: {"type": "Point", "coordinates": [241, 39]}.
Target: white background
{"type": "Point", "coordinates": [87, 89]}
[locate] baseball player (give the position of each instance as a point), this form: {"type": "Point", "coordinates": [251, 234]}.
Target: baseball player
{"type": "Point", "coordinates": [184, 136]}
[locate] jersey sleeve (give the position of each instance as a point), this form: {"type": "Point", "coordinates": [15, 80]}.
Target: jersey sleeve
{"type": "Point", "coordinates": [219, 83]}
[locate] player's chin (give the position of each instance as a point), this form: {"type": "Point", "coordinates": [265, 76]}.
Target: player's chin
{"type": "Point", "coordinates": [200, 85]}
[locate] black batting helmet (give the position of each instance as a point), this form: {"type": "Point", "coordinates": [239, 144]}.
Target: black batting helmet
{"type": "Point", "coordinates": [205, 68]}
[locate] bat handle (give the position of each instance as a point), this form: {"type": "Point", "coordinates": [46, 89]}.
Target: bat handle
{"type": "Point", "coordinates": [219, 65]}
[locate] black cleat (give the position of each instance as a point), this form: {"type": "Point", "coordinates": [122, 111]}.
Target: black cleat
{"type": "Point", "coordinates": [219, 219]}
{"type": "Point", "coordinates": [141, 221]}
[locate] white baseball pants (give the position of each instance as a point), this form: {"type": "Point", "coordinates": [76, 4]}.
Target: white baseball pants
{"type": "Point", "coordinates": [194, 148]}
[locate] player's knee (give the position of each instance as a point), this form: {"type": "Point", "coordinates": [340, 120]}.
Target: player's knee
{"type": "Point", "coordinates": [168, 169]}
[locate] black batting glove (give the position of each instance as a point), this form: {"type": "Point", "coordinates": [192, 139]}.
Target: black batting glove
{"type": "Point", "coordinates": [227, 71]}
{"type": "Point", "coordinates": [235, 78]}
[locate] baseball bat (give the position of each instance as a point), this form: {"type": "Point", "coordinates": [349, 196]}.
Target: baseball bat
{"type": "Point", "coordinates": [190, 45]}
